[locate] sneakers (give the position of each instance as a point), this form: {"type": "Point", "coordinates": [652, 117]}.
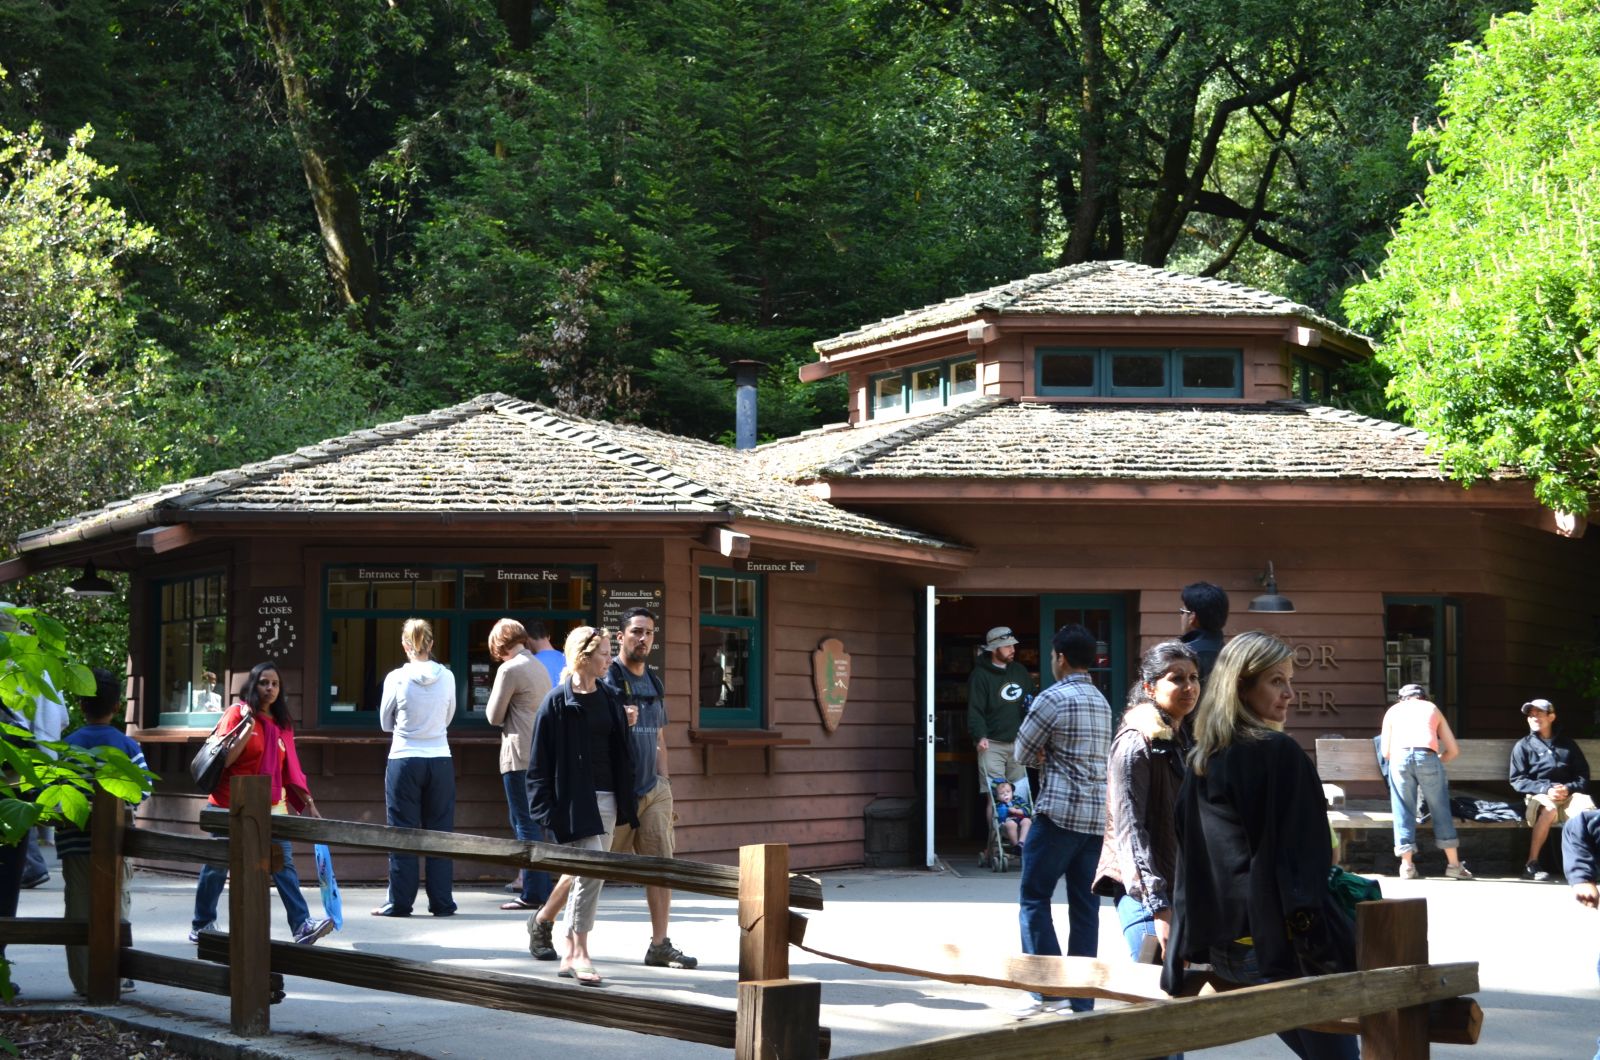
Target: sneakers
{"type": "Point", "coordinates": [35, 881]}
{"type": "Point", "coordinates": [1040, 1008]}
{"type": "Point", "coordinates": [664, 954]}
{"type": "Point", "coordinates": [540, 945]}
{"type": "Point", "coordinates": [312, 930]}
{"type": "Point", "coordinates": [1534, 872]}
{"type": "Point", "coordinates": [1458, 872]}
{"type": "Point", "coordinates": [194, 935]}
{"type": "Point", "coordinates": [1408, 871]}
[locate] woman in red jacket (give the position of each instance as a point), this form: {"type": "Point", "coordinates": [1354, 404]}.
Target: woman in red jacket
{"type": "Point", "coordinates": [267, 749]}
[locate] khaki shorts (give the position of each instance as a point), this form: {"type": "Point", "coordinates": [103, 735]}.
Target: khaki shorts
{"type": "Point", "coordinates": [653, 837]}
{"type": "Point", "coordinates": [1571, 808]}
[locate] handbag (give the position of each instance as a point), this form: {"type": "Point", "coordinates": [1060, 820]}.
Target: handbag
{"type": "Point", "coordinates": [212, 758]}
{"type": "Point", "coordinates": [332, 904]}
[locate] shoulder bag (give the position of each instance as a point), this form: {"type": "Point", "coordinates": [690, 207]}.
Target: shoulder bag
{"type": "Point", "coordinates": [212, 758]}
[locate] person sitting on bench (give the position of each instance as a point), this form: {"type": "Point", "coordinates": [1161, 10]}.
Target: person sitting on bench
{"type": "Point", "coordinates": [1553, 777]}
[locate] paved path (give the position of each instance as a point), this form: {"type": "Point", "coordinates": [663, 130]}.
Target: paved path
{"type": "Point", "coordinates": [1536, 946]}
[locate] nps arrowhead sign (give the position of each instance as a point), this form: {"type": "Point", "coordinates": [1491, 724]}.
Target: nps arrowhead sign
{"type": "Point", "coordinates": [830, 677]}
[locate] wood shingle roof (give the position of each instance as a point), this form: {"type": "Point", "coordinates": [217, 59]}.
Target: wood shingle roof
{"type": "Point", "coordinates": [1095, 288]}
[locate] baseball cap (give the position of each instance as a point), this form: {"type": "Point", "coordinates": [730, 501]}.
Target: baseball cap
{"type": "Point", "coordinates": [1537, 704]}
{"type": "Point", "coordinates": [999, 637]}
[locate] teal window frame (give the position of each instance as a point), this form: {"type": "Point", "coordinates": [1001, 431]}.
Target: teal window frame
{"type": "Point", "coordinates": [753, 714]}
{"type": "Point", "coordinates": [905, 405]}
{"type": "Point", "coordinates": [1172, 366]}
{"type": "Point", "coordinates": [460, 617]}
{"type": "Point", "coordinates": [190, 718]}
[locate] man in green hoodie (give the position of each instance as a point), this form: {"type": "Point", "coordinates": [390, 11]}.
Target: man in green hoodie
{"type": "Point", "coordinates": [998, 694]}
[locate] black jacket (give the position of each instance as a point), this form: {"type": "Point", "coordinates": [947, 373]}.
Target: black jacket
{"type": "Point", "coordinates": [1537, 764]}
{"type": "Point", "coordinates": [1580, 847]}
{"type": "Point", "coordinates": [1253, 859]}
{"type": "Point", "coordinates": [561, 786]}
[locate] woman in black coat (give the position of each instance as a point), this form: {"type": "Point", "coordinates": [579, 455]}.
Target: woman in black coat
{"type": "Point", "coordinates": [580, 777]}
{"type": "Point", "coordinates": [1254, 850]}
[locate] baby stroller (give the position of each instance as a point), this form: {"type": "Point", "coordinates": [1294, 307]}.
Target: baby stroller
{"type": "Point", "coordinates": [1002, 848]}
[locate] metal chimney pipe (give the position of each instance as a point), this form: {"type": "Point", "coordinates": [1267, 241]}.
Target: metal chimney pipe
{"type": "Point", "coordinates": [744, 403]}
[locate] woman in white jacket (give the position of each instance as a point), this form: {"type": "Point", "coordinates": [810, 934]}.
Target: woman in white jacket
{"type": "Point", "coordinates": [419, 784]}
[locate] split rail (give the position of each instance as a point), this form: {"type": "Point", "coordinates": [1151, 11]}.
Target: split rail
{"type": "Point", "coordinates": [1397, 1001]}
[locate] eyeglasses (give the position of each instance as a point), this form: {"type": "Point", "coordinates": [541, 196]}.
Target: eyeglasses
{"type": "Point", "coordinates": [1184, 611]}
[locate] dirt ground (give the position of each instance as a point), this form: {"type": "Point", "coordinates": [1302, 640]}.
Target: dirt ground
{"type": "Point", "coordinates": [51, 1036]}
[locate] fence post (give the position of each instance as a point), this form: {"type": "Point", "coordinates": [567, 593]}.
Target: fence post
{"type": "Point", "coordinates": [1391, 933]}
{"type": "Point", "coordinates": [779, 1019]}
{"type": "Point", "coordinates": [764, 912]}
{"type": "Point", "coordinates": [249, 941]}
{"type": "Point", "coordinates": [104, 985]}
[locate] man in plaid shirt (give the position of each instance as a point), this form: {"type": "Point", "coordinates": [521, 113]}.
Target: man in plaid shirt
{"type": "Point", "coordinates": [1069, 732]}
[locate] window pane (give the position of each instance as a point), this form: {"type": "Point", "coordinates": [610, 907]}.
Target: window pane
{"type": "Point", "coordinates": [530, 594]}
{"type": "Point", "coordinates": [479, 590]}
{"type": "Point", "coordinates": [724, 668]}
{"type": "Point", "coordinates": [1074, 370]}
{"type": "Point", "coordinates": [192, 651]}
{"type": "Point", "coordinates": [363, 652]}
{"type": "Point", "coordinates": [1138, 371]}
{"type": "Point", "coordinates": [888, 393]}
{"type": "Point", "coordinates": [927, 386]}
{"type": "Point", "coordinates": [708, 590]}
{"type": "Point", "coordinates": [963, 378]}
{"type": "Point", "coordinates": [436, 589]}
{"type": "Point", "coordinates": [744, 596]}
{"type": "Point", "coordinates": [177, 666]}
{"type": "Point", "coordinates": [1209, 372]}
{"type": "Point", "coordinates": [1316, 383]}
{"type": "Point", "coordinates": [392, 596]}
{"type": "Point", "coordinates": [723, 605]}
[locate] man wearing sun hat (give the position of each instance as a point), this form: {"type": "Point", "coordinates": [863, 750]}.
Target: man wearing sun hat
{"type": "Point", "coordinates": [1553, 776]}
{"type": "Point", "coordinates": [998, 693]}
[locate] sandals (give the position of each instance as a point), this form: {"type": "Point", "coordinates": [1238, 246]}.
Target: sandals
{"type": "Point", "coordinates": [583, 973]}
{"type": "Point", "coordinates": [518, 903]}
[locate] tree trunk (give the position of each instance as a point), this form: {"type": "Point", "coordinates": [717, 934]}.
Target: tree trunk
{"type": "Point", "coordinates": [1096, 175]}
{"type": "Point", "coordinates": [333, 193]}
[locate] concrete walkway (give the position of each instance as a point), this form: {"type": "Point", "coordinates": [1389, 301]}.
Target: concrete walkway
{"type": "Point", "coordinates": [1536, 947]}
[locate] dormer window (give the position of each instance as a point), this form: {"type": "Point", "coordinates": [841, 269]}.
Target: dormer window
{"type": "Point", "coordinates": [1071, 371]}
{"type": "Point", "coordinates": [924, 387]}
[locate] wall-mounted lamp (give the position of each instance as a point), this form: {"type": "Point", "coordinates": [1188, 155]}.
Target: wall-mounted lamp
{"type": "Point", "coordinates": [1271, 600]}
{"type": "Point", "coordinates": [90, 584]}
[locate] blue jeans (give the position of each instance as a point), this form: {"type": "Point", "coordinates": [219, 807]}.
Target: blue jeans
{"type": "Point", "coordinates": [1237, 964]}
{"type": "Point", "coordinates": [420, 793]}
{"type": "Point", "coordinates": [535, 882]}
{"type": "Point", "coordinates": [1419, 770]}
{"type": "Point", "coordinates": [1052, 853]}
{"type": "Point", "coordinates": [212, 879]}
{"type": "Point", "coordinates": [1137, 925]}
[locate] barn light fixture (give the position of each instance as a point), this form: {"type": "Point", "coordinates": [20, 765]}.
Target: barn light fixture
{"type": "Point", "coordinates": [90, 584]}
{"type": "Point", "coordinates": [1271, 601]}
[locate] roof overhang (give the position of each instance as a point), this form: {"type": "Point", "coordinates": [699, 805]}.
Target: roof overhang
{"type": "Point", "coordinates": [973, 332]}
{"type": "Point", "coordinates": [855, 546]}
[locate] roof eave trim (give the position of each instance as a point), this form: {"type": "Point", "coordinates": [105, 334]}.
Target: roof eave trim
{"type": "Point", "coordinates": [944, 555]}
{"type": "Point", "coordinates": [975, 330]}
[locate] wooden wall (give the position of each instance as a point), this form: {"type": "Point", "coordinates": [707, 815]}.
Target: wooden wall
{"type": "Point", "coordinates": [1524, 591]}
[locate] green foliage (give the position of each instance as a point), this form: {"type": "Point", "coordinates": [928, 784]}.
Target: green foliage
{"type": "Point", "coordinates": [48, 782]}
{"type": "Point", "coordinates": [1489, 303]}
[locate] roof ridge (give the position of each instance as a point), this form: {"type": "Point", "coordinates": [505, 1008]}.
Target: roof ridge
{"type": "Point", "coordinates": [1329, 412]}
{"type": "Point", "coordinates": [594, 435]}
{"type": "Point", "coordinates": [853, 460]}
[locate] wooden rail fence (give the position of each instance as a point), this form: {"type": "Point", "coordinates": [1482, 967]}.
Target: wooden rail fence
{"type": "Point", "coordinates": [1397, 1002]}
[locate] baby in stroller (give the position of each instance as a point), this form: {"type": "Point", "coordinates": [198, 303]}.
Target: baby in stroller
{"type": "Point", "coordinates": [1013, 812]}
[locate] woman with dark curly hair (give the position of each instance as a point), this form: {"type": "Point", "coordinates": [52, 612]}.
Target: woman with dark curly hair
{"type": "Point", "coordinates": [266, 749]}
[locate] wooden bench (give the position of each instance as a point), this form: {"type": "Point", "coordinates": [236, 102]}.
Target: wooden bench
{"type": "Point", "coordinates": [1341, 762]}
